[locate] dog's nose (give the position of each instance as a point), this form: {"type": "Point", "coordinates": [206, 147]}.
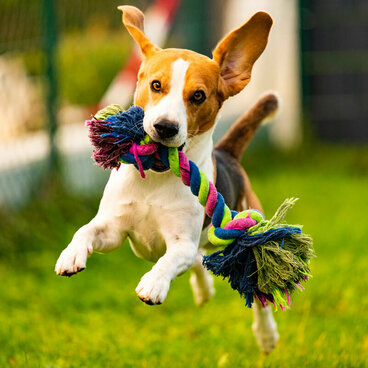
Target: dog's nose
{"type": "Point", "coordinates": [166, 128]}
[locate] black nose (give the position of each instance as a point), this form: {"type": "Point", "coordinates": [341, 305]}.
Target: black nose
{"type": "Point", "coordinates": [166, 128]}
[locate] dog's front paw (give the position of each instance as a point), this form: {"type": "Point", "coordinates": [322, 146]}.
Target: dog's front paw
{"type": "Point", "coordinates": [72, 260]}
{"type": "Point", "coordinates": [153, 288]}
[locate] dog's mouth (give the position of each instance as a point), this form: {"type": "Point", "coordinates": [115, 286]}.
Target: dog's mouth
{"type": "Point", "coordinates": [158, 165]}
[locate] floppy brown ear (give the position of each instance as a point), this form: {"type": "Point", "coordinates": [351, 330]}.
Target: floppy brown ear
{"type": "Point", "coordinates": [239, 50]}
{"type": "Point", "coordinates": [133, 20]}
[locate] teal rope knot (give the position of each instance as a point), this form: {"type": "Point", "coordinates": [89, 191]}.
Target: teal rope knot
{"type": "Point", "coordinates": [262, 259]}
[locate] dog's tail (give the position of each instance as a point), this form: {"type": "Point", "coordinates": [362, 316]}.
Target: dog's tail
{"type": "Point", "coordinates": [242, 131]}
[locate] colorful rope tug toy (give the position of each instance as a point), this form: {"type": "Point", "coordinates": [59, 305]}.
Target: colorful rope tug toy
{"type": "Point", "coordinates": [263, 259]}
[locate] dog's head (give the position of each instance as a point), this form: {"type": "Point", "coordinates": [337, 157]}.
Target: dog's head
{"type": "Point", "coordinates": [182, 91]}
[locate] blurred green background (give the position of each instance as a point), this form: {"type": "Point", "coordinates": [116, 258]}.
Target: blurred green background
{"type": "Point", "coordinates": [94, 319]}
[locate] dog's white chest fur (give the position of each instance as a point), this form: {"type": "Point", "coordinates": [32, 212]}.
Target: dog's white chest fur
{"type": "Point", "coordinates": [154, 210]}
{"type": "Point", "coordinates": [150, 208]}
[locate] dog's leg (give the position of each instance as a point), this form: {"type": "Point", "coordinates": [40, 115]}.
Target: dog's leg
{"type": "Point", "coordinates": [179, 257]}
{"type": "Point", "coordinates": [100, 236]}
{"type": "Point", "coordinates": [264, 327]}
{"type": "Point", "coordinates": [201, 282]}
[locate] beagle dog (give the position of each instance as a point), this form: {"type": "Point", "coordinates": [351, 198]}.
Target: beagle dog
{"type": "Point", "coordinates": [181, 93]}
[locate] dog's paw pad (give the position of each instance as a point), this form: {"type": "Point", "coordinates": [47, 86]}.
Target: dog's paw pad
{"type": "Point", "coordinates": [153, 288]}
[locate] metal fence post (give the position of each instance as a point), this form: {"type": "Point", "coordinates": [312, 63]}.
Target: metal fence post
{"type": "Point", "coordinates": [50, 44]}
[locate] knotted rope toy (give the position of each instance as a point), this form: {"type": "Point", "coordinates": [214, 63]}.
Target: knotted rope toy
{"type": "Point", "coordinates": [266, 259]}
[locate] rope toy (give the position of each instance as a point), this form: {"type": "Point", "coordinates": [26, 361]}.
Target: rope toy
{"type": "Point", "coordinates": [263, 259]}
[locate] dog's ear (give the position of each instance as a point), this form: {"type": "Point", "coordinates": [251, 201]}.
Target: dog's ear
{"type": "Point", "coordinates": [239, 50]}
{"type": "Point", "coordinates": [133, 20]}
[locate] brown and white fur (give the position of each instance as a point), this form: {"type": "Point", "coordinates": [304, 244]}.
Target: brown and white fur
{"type": "Point", "coordinates": [160, 217]}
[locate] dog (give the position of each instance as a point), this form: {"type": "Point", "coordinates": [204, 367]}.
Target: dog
{"type": "Point", "coordinates": [181, 93]}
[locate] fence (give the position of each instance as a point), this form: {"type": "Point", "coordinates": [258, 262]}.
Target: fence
{"type": "Point", "coordinates": [57, 59]}
{"type": "Point", "coordinates": [335, 51]}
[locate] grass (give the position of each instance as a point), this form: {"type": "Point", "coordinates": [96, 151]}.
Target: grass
{"type": "Point", "coordinates": [95, 320]}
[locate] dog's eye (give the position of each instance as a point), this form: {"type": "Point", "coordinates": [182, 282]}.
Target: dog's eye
{"type": "Point", "coordinates": [156, 86]}
{"type": "Point", "coordinates": [198, 97]}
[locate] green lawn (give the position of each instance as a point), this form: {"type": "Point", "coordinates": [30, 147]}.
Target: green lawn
{"type": "Point", "coordinates": [95, 319]}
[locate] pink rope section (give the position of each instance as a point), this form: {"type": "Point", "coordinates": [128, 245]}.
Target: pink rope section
{"type": "Point", "coordinates": [241, 223]}
{"type": "Point", "coordinates": [142, 150]}
{"type": "Point", "coordinates": [211, 200]}
{"type": "Point", "coordinates": [138, 160]}
{"type": "Point", "coordinates": [184, 168]}
{"type": "Point", "coordinates": [146, 149]}
{"type": "Point", "coordinates": [287, 297]}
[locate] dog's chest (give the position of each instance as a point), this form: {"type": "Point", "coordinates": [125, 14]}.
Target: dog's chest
{"type": "Point", "coordinates": [143, 230]}
{"type": "Point", "coordinates": [150, 211]}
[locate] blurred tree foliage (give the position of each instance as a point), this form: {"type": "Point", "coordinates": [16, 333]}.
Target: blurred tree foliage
{"type": "Point", "coordinates": [22, 21]}
{"type": "Point", "coordinates": [92, 46]}
{"type": "Point", "coordinates": [88, 64]}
